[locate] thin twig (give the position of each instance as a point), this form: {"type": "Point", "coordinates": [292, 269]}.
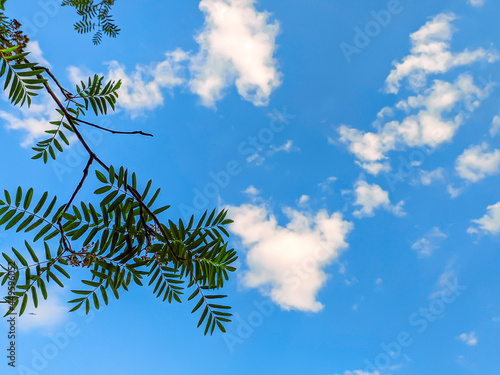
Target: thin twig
{"type": "Point", "coordinates": [109, 130]}
{"type": "Point", "coordinates": [91, 153]}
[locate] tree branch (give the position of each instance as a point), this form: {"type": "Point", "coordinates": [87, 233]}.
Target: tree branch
{"type": "Point", "coordinates": [110, 130]}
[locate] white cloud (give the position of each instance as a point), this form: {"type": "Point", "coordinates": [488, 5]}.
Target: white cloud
{"type": "Point", "coordinates": [428, 243]}
{"type": "Point", "coordinates": [430, 54]}
{"type": "Point", "coordinates": [325, 185]}
{"type": "Point", "coordinates": [447, 278]}
{"type": "Point", "coordinates": [33, 121]}
{"type": "Point", "coordinates": [489, 223]}
{"type": "Point", "coordinates": [252, 191]}
{"type": "Point", "coordinates": [477, 162]}
{"type": "Point", "coordinates": [237, 45]}
{"type": "Point", "coordinates": [429, 177]}
{"type": "Point", "coordinates": [49, 314]}
{"type": "Point", "coordinates": [379, 281]}
{"type": "Point", "coordinates": [476, 3]}
{"type": "Point", "coordinates": [495, 126]}
{"type": "Point", "coordinates": [287, 262]}
{"type": "Point", "coordinates": [468, 338]}
{"type": "Point", "coordinates": [360, 372]}
{"type": "Point", "coordinates": [286, 147]}
{"type": "Point", "coordinates": [453, 191]}
{"type": "Point", "coordinates": [431, 119]}
{"type": "Point", "coordinates": [372, 197]}
{"type": "Point", "coordinates": [143, 88]}
{"type": "Point", "coordinates": [304, 199]}
{"type": "Point", "coordinates": [36, 54]}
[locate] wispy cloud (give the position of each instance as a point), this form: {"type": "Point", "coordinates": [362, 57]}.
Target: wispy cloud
{"type": "Point", "coordinates": [430, 54]}
{"type": "Point", "coordinates": [237, 45]}
{"type": "Point", "coordinates": [426, 245]}
{"type": "Point", "coordinates": [433, 115]}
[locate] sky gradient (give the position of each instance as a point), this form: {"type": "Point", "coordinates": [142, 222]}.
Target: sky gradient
{"type": "Point", "coordinates": [356, 146]}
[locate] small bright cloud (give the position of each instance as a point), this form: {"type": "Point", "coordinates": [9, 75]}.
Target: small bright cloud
{"type": "Point", "coordinates": [252, 191]}
{"type": "Point", "coordinates": [427, 178]}
{"type": "Point", "coordinates": [372, 197]}
{"type": "Point", "coordinates": [304, 199]}
{"type": "Point", "coordinates": [469, 339]}
{"type": "Point", "coordinates": [495, 126]}
{"type": "Point", "coordinates": [489, 223]}
{"type": "Point", "coordinates": [286, 147]}
{"type": "Point", "coordinates": [476, 3]}
{"type": "Point", "coordinates": [478, 162]}
{"type": "Point", "coordinates": [453, 191]}
{"type": "Point", "coordinates": [325, 185]}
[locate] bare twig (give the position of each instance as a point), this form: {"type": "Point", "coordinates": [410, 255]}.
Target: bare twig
{"type": "Point", "coordinates": [110, 130]}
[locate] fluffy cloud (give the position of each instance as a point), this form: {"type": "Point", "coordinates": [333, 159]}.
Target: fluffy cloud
{"type": "Point", "coordinates": [287, 262]}
{"type": "Point", "coordinates": [430, 119]}
{"type": "Point", "coordinates": [237, 46]}
{"type": "Point", "coordinates": [430, 54]}
{"type": "Point", "coordinates": [469, 339]}
{"type": "Point", "coordinates": [372, 197]}
{"type": "Point", "coordinates": [36, 54]}
{"type": "Point", "coordinates": [33, 121]}
{"type": "Point", "coordinates": [143, 88]}
{"type": "Point", "coordinates": [477, 162]}
{"type": "Point", "coordinates": [428, 243]}
{"type": "Point", "coordinates": [489, 223]}
{"type": "Point", "coordinates": [252, 191]}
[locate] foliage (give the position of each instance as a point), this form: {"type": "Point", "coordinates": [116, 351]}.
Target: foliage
{"type": "Point", "coordinates": [118, 236]}
{"type": "Point", "coordinates": [95, 17]}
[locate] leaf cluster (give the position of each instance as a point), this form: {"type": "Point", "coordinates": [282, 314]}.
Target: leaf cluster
{"type": "Point", "coordinates": [121, 241]}
{"type": "Point", "coordinates": [95, 17]}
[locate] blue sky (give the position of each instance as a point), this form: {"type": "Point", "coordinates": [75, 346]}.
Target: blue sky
{"type": "Point", "coordinates": [356, 146]}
